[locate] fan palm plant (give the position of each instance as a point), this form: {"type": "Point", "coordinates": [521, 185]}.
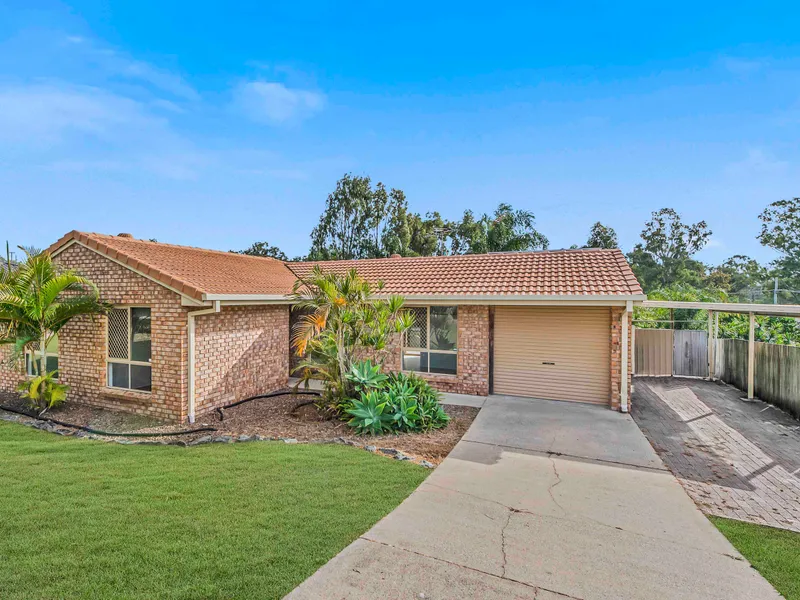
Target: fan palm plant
{"type": "Point", "coordinates": [343, 323]}
{"type": "Point", "coordinates": [37, 299]}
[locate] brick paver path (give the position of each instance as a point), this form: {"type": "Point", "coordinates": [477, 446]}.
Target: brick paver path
{"type": "Point", "coordinates": [736, 458]}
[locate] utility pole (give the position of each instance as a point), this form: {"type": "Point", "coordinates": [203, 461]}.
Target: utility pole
{"type": "Point", "coordinates": [775, 292]}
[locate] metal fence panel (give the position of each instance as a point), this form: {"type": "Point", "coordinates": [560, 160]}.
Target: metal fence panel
{"type": "Point", "coordinates": [653, 352]}
{"type": "Point", "coordinates": [690, 355]}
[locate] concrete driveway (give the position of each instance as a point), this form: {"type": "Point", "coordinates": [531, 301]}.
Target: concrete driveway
{"type": "Point", "coordinates": [543, 500]}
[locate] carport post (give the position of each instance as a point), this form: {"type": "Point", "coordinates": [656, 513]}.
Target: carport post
{"type": "Point", "coordinates": [751, 358]}
{"type": "Point", "coordinates": [711, 345]}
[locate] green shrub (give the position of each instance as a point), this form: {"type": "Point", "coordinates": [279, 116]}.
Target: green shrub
{"type": "Point", "coordinates": [430, 412]}
{"type": "Point", "coordinates": [402, 403]}
{"type": "Point", "coordinates": [370, 414]}
{"type": "Point", "coordinates": [43, 392]}
{"type": "Point", "coordinates": [366, 376]}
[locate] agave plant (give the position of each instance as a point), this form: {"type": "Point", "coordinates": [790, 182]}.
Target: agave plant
{"type": "Point", "coordinates": [404, 413]}
{"type": "Point", "coordinates": [366, 375]}
{"type": "Point", "coordinates": [371, 414]}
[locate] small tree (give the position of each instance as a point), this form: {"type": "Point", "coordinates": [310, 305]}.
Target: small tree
{"type": "Point", "coordinates": [601, 236]}
{"type": "Point", "coordinates": [780, 230]}
{"type": "Point", "coordinates": [264, 249]}
{"type": "Point", "coordinates": [343, 323]}
{"type": "Point", "coordinates": [36, 300]}
{"type": "Point", "coordinates": [664, 256]}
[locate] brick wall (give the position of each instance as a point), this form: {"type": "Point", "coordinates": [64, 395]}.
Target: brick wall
{"type": "Point", "coordinates": [10, 374]}
{"type": "Point", "coordinates": [83, 344]}
{"type": "Point", "coordinates": [240, 352]}
{"type": "Point", "coordinates": [616, 356]}
{"type": "Point", "coordinates": [473, 355]}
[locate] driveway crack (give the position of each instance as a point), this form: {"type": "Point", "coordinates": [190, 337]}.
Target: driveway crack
{"type": "Point", "coordinates": [535, 588]}
{"type": "Point", "coordinates": [556, 483]}
{"type": "Point", "coordinates": [503, 543]}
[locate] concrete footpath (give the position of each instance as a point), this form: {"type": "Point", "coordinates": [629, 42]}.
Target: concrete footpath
{"type": "Point", "coordinates": [543, 500]}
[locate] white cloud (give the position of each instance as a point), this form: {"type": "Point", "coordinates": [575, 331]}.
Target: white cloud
{"type": "Point", "coordinates": [83, 129]}
{"type": "Point", "coordinates": [45, 113]}
{"type": "Point", "coordinates": [758, 161]}
{"type": "Point", "coordinates": [741, 67]}
{"type": "Point", "coordinates": [118, 64]}
{"type": "Point", "coordinates": [274, 103]}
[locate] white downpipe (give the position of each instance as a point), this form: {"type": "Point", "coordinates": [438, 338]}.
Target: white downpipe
{"type": "Point", "coordinates": [623, 389]}
{"type": "Point", "coordinates": [192, 315]}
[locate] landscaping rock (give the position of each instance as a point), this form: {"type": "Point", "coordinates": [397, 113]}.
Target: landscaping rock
{"type": "Point", "coordinates": [201, 440]}
{"type": "Point", "coordinates": [401, 456]}
{"type": "Point", "coordinates": [289, 440]}
{"type": "Point", "coordinates": [426, 464]}
{"type": "Point", "coordinates": [388, 451]}
{"type": "Point", "coordinates": [370, 448]}
{"type": "Point", "coordinates": [223, 439]}
{"type": "Point", "coordinates": [245, 438]}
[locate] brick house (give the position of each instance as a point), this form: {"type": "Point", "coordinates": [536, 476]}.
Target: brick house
{"type": "Point", "coordinates": [193, 329]}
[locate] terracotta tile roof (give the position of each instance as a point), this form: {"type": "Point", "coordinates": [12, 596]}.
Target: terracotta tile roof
{"type": "Point", "coordinates": [545, 273]}
{"type": "Point", "coordinates": [191, 271]}
{"type": "Point", "coordinates": [196, 272]}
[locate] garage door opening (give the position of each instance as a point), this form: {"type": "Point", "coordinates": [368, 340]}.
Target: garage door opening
{"type": "Point", "coordinates": [553, 352]}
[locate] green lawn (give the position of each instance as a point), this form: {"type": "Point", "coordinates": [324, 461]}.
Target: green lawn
{"type": "Point", "coordinates": [774, 552]}
{"type": "Point", "coordinates": [85, 519]}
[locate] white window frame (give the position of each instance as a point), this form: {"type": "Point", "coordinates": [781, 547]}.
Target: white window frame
{"type": "Point", "coordinates": [128, 361]}
{"type": "Point", "coordinates": [32, 355]}
{"type": "Point", "coordinates": [403, 346]}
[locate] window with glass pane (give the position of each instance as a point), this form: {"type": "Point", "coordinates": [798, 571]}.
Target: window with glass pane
{"type": "Point", "coordinates": [33, 358]}
{"type": "Point", "coordinates": [129, 348]}
{"type": "Point", "coordinates": [430, 345]}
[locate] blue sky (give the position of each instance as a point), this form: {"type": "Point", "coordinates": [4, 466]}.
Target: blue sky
{"type": "Point", "coordinates": [219, 124]}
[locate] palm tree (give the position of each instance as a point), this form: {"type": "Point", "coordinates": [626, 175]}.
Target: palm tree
{"type": "Point", "coordinates": [342, 323]}
{"type": "Point", "coordinates": [38, 298]}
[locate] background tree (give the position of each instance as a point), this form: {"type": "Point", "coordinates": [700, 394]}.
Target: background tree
{"type": "Point", "coordinates": [780, 230]}
{"type": "Point", "coordinates": [263, 249]}
{"type": "Point", "coordinates": [508, 230]}
{"type": "Point", "coordinates": [664, 257]}
{"type": "Point", "coordinates": [344, 229]}
{"type": "Point", "coordinates": [361, 222]}
{"type": "Point", "coordinates": [429, 236]}
{"type": "Point", "coordinates": [739, 276]}
{"type": "Point", "coordinates": [601, 236]}
{"type": "Point", "coordinates": [396, 237]}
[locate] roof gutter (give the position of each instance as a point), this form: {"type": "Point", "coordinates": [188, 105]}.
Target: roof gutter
{"type": "Point", "coordinates": [598, 299]}
{"type": "Point", "coordinates": [192, 315]}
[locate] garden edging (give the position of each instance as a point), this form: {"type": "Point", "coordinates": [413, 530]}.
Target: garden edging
{"type": "Point", "coordinates": [63, 430]}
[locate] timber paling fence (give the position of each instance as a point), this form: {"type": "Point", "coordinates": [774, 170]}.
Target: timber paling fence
{"type": "Point", "coordinates": [777, 371]}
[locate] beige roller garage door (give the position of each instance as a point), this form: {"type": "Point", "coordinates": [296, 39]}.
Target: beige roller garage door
{"type": "Point", "coordinates": [553, 352]}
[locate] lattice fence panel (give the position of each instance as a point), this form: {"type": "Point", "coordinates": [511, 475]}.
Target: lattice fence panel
{"type": "Point", "coordinates": [417, 334]}
{"type": "Point", "coordinates": [118, 333]}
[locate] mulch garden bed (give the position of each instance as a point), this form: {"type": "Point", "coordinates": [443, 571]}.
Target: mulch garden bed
{"type": "Point", "coordinates": [287, 416]}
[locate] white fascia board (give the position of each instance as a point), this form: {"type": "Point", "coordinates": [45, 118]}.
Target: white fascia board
{"type": "Point", "coordinates": [231, 299]}
{"type": "Point", "coordinates": [783, 310]}
{"type": "Point", "coordinates": [497, 299]}
{"type": "Point", "coordinates": [185, 300]}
